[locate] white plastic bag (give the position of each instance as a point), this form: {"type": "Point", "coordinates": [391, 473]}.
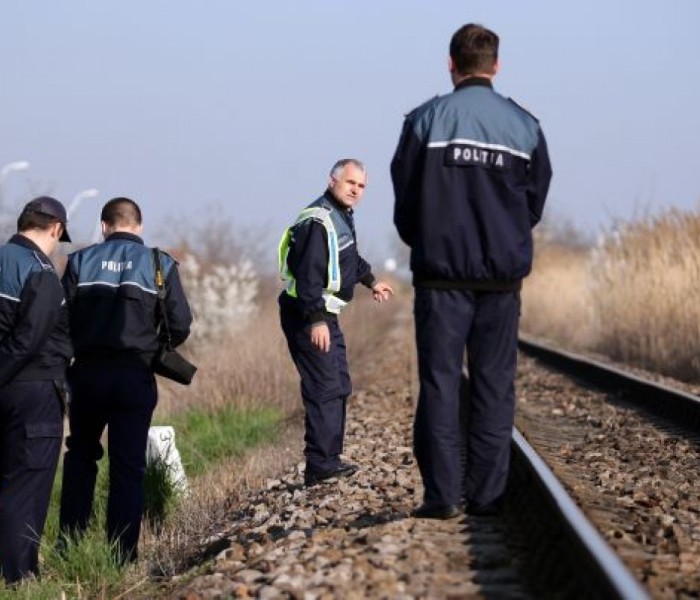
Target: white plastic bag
{"type": "Point", "coordinates": [161, 448]}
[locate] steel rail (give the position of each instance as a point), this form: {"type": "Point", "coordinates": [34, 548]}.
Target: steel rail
{"type": "Point", "coordinates": [594, 568]}
{"type": "Point", "coordinates": [566, 549]}
{"type": "Point", "coordinates": [681, 407]}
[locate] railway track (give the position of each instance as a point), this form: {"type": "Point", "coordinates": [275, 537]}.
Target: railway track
{"type": "Point", "coordinates": [627, 450]}
{"type": "Point", "coordinates": [562, 554]}
{"type": "Point", "coordinates": [566, 556]}
{"type": "Point", "coordinates": [354, 538]}
{"type": "Point", "coordinates": [662, 400]}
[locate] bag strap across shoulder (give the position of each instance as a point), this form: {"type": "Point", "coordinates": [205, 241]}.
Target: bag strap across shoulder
{"type": "Point", "coordinates": [160, 291]}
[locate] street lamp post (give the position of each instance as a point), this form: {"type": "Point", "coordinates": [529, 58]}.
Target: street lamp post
{"type": "Point", "coordinates": [78, 198]}
{"type": "Point", "coordinates": [18, 165]}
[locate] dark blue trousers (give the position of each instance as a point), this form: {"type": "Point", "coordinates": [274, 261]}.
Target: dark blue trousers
{"type": "Point", "coordinates": [486, 325]}
{"type": "Point", "coordinates": [31, 430]}
{"type": "Point", "coordinates": [325, 387]}
{"type": "Point", "coordinates": [121, 398]}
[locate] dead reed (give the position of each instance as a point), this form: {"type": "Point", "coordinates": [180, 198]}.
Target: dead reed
{"type": "Point", "coordinates": [635, 297]}
{"type": "Point", "coordinates": [647, 294]}
{"type": "Point", "coordinates": [245, 369]}
{"type": "Point", "coordinates": [556, 302]}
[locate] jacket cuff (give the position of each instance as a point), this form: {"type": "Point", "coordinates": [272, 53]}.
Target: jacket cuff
{"type": "Point", "coordinates": [316, 317]}
{"type": "Point", "coordinates": [368, 280]}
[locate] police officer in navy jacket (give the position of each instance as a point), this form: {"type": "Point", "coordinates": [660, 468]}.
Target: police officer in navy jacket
{"type": "Point", "coordinates": [471, 173]}
{"type": "Point", "coordinates": [114, 319]}
{"type": "Point", "coordinates": [321, 264]}
{"type": "Point", "coordinates": [34, 351]}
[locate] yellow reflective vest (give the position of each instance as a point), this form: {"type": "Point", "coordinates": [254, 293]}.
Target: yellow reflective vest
{"type": "Point", "coordinates": [322, 215]}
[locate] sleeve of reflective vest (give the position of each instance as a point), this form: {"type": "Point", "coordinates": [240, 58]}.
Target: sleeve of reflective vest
{"type": "Point", "coordinates": [308, 262]}
{"type": "Point", "coordinates": [37, 314]}
{"type": "Point", "coordinates": [179, 314]}
{"type": "Point", "coordinates": [405, 176]}
{"type": "Point", "coordinates": [540, 176]}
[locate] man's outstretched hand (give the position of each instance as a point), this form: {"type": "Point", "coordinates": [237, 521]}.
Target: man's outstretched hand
{"type": "Point", "coordinates": [382, 291]}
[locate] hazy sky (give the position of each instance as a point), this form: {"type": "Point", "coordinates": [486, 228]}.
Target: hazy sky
{"type": "Point", "coordinates": [205, 107]}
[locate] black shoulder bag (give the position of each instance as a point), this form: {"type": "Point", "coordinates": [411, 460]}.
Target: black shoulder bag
{"type": "Point", "coordinates": [168, 362]}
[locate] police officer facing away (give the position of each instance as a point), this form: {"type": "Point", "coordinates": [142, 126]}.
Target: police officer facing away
{"type": "Point", "coordinates": [114, 318]}
{"type": "Point", "coordinates": [470, 174]}
{"type": "Point", "coordinates": [321, 264]}
{"type": "Point", "coordinates": [34, 352]}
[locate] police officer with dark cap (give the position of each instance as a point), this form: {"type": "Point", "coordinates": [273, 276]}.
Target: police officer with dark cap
{"type": "Point", "coordinates": [114, 319]}
{"type": "Point", "coordinates": [35, 349]}
{"type": "Point", "coordinates": [321, 264]}
{"type": "Point", "coordinates": [471, 174]}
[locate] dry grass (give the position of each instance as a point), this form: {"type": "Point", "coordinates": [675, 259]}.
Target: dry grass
{"type": "Point", "coordinates": [251, 367]}
{"type": "Point", "coordinates": [365, 325]}
{"type": "Point", "coordinates": [648, 294]}
{"type": "Point", "coordinates": [636, 298]}
{"type": "Point", "coordinates": [556, 298]}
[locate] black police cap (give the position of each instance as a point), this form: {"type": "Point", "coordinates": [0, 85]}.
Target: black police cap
{"type": "Point", "coordinates": [46, 205]}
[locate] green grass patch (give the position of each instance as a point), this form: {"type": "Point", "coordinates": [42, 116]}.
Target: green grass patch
{"type": "Point", "coordinates": [85, 569]}
{"type": "Point", "coordinates": [161, 495]}
{"type": "Point", "coordinates": [88, 568]}
{"type": "Point", "coordinates": [204, 438]}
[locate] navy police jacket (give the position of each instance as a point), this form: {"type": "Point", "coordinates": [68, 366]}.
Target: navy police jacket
{"type": "Point", "coordinates": [34, 339]}
{"type": "Point", "coordinates": [113, 303]}
{"type": "Point", "coordinates": [308, 261]}
{"type": "Point", "coordinates": [471, 173]}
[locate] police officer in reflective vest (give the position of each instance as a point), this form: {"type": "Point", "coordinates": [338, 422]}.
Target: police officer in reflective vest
{"type": "Point", "coordinates": [320, 263]}
{"type": "Point", "coordinates": [471, 174]}
{"type": "Point", "coordinates": [114, 317]}
{"type": "Point", "coordinates": [34, 351]}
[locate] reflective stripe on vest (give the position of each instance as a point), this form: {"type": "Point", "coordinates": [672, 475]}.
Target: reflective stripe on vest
{"type": "Point", "coordinates": [323, 216]}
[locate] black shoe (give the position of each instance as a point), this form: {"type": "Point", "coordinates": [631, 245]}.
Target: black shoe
{"type": "Point", "coordinates": [348, 469]}
{"type": "Point", "coordinates": [437, 511]}
{"type": "Point", "coordinates": [342, 470]}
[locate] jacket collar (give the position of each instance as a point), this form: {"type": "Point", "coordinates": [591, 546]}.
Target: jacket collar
{"type": "Point", "coordinates": [339, 207]}
{"type": "Point", "coordinates": [25, 242]}
{"type": "Point", "coordinates": [124, 235]}
{"type": "Point", "coordinates": [471, 81]}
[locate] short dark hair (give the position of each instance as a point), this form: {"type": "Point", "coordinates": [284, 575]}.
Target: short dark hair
{"type": "Point", "coordinates": [29, 220]}
{"type": "Point", "coordinates": [474, 50]}
{"type": "Point", "coordinates": [121, 212]}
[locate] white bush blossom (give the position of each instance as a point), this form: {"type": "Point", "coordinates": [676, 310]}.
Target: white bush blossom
{"type": "Point", "coordinates": [222, 297]}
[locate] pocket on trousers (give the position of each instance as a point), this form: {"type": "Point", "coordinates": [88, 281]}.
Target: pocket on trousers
{"type": "Point", "coordinates": [42, 444]}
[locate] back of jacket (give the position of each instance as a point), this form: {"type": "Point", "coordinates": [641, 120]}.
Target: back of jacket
{"type": "Point", "coordinates": [34, 340]}
{"type": "Point", "coordinates": [113, 302]}
{"type": "Point", "coordinates": [471, 174]}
